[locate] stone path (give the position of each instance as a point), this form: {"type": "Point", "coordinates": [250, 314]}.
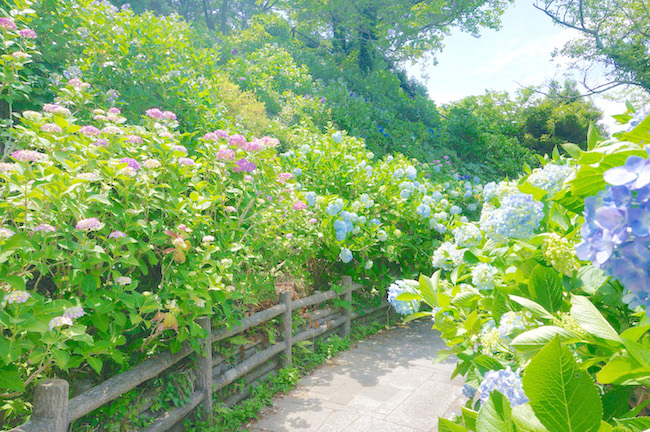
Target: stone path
{"type": "Point", "coordinates": [387, 383]}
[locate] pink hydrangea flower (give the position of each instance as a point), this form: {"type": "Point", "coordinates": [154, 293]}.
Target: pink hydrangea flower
{"type": "Point", "coordinates": [154, 113]}
{"type": "Point", "coordinates": [98, 111]}
{"type": "Point", "coordinates": [100, 143]}
{"type": "Point", "coordinates": [231, 209]}
{"type": "Point", "coordinates": [151, 163]}
{"type": "Point", "coordinates": [244, 165]}
{"type": "Point", "coordinates": [19, 55]}
{"type": "Point", "coordinates": [289, 236]}
{"type": "Point", "coordinates": [51, 128]}
{"type": "Point", "coordinates": [27, 33]}
{"type": "Point", "coordinates": [299, 205]}
{"type": "Point", "coordinates": [60, 321]}
{"type": "Point", "coordinates": [186, 161]}
{"type": "Point", "coordinates": [89, 224]}
{"type": "Point", "coordinates": [207, 239]}
{"type": "Point", "coordinates": [114, 110]}
{"type": "Point", "coordinates": [28, 156]}
{"type": "Point", "coordinates": [166, 134]}
{"type": "Point", "coordinates": [222, 133]}
{"type": "Point", "coordinates": [7, 23]}
{"type": "Point", "coordinates": [448, 162]}
{"type": "Point", "coordinates": [134, 139]}
{"type": "Point", "coordinates": [100, 117]}
{"type": "Point", "coordinates": [6, 233]}
{"type": "Point", "coordinates": [179, 148]}
{"type": "Point", "coordinates": [111, 130]}
{"type": "Point", "coordinates": [89, 130]}
{"type": "Point", "coordinates": [87, 176]}
{"type": "Point", "coordinates": [445, 157]}
{"type": "Point", "coordinates": [312, 221]}
{"type": "Point", "coordinates": [44, 228]}
{"type": "Point", "coordinates": [116, 234]}
{"type": "Point", "coordinates": [248, 178]}
{"type": "Point", "coordinates": [168, 115]}
{"type": "Point", "coordinates": [74, 312]}
{"type": "Point", "coordinates": [226, 154]}
{"type": "Point", "coordinates": [6, 167]}
{"type": "Point", "coordinates": [77, 83]}
{"type": "Point", "coordinates": [255, 145]}
{"type": "Point", "coordinates": [237, 140]}
{"type": "Point", "coordinates": [210, 136]}
{"type": "Point", "coordinates": [18, 297]}
{"type": "Point", "coordinates": [123, 280]}
{"type": "Point", "coordinates": [114, 118]}
{"type": "Point", "coordinates": [283, 177]}
{"type": "Point", "coordinates": [32, 115]}
{"type": "Point", "coordinates": [56, 109]}
{"type": "Point", "coordinates": [132, 163]}
{"type": "Point", "coordinates": [182, 227]}
{"type": "Point", "coordinates": [270, 142]}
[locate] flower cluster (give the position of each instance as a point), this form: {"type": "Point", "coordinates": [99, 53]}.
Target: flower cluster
{"type": "Point", "coordinates": [447, 256]}
{"type": "Point", "coordinates": [345, 255]}
{"type": "Point", "coordinates": [403, 286]}
{"type": "Point", "coordinates": [616, 232]}
{"type": "Point", "coordinates": [483, 276]}
{"type": "Point", "coordinates": [560, 254]}
{"type": "Point", "coordinates": [506, 382]}
{"type": "Point", "coordinates": [551, 177]}
{"type": "Point", "coordinates": [89, 224]}
{"type": "Point", "coordinates": [17, 297]}
{"type": "Point", "coordinates": [467, 235]}
{"type": "Point", "coordinates": [510, 322]}
{"type": "Point", "coordinates": [517, 218]}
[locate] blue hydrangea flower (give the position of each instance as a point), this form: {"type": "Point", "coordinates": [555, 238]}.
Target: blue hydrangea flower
{"type": "Point", "coordinates": [476, 180]}
{"type": "Point", "coordinates": [401, 286]}
{"type": "Point", "coordinates": [467, 235]}
{"type": "Point", "coordinates": [517, 218]}
{"type": "Point", "coordinates": [436, 196]}
{"type": "Point", "coordinates": [440, 228]}
{"type": "Point", "coordinates": [616, 232]}
{"type": "Point", "coordinates": [472, 207]}
{"type": "Point", "coordinates": [341, 235]}
{"type": "Point", "coordinates": [345, 255]}
{"type": "Point", "coordinates": [297, 172]}
{"type": "Point", "coordinates": [447, 256]}
{"type": "Point", "coordinates": [423, 210]}
{"type": "Point", "coordinates": [311, 198]}
{"type": "Point", "coordinates": [483, 276]}
{"type": "Point", "coordinates": [489, 191]}
{"type": "Point", "coordinates": [437, 168]}
{"type": "Point", "coordinates": [398, 173]}
{"type": "Point", "coordinates": [411, 173]}
{"type": "Point", "coordinates": [362, 220]}
{"type": "Point", "coordinates": [455, 210]}
{"type": "Point", "coordinates": [506, 382]}
{"type": "Point", "coordinates": [468, 193]}
{"type": "Point", "coordinates": [333, 209]}
{"type": "Point", "coordinates": [337, 137]}
{"type": "Point", "coordinates": [381, 235]}
{"type": "Point", "coordinates": [551, 177]}
{"type": "Point", "coordinates": [375, 221]}
{"type": "Point", "coordinates": [510, 322]}
{"type": "Point", "coordinates": [468, 391]}
{"type": "Point", "coordinates": [405, 194]}
{"type": "Point", "coordinates": [339, 225]}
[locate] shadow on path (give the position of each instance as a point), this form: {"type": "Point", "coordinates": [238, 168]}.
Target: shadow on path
{"type": "Point", "coordinates": [386, 383]}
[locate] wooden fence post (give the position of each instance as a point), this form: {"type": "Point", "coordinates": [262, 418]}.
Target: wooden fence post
{"type": "Point", "coordinates": [287, 325]}
{"type": "Point", "coordinates": [204, 368]}
{"type": "Point", "coordinates": [50, 413]}
{"type": "Point", "coordinates": [347, 312]}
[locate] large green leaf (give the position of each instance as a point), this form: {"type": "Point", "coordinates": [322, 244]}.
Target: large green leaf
{"type": "Point", "coordinates": [563, 397]}
{"type": "Point", "coordinates": [495, 415]}
{"type": "Point", "coordinates": [537, 309]}
{"type": "Point", "coordinates": [545, 288]}
{"type": "Point", "coordinates": [445, 425]}
{"type": "Point", "coordinates": [525, 420]}
{"type": "Point", "coordinates": [538, 337]}
{"type": "Point", "coordinates": [590, 319]}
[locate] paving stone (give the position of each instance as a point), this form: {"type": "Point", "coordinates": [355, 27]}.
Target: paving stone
{"type": "Point", "coordinates": [386, 383]}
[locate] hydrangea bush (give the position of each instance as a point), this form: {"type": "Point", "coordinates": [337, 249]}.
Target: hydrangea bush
{"type": "Point", "coordinates": [551, 283]}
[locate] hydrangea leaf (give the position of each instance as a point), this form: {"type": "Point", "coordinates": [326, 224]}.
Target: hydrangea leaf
{"type": "Point", "coordinates": [445, 425]}
{"type": "Point", "coordinates": [590, 319]}
{"type": "Point", "coordinates": [545, 288]}
{"type": "Point", "coordinates": [537, 309]}
{"type": "Point", "coordinates": [538, 337]}
{"type": "Point", "coordinates": [563, 397]}
{"type": "Point", "coordinates": [637, 424]}
{"type": "Point", "coordinates": [525, 420]}
{"type": "Point", "coordinates": [495, 415]}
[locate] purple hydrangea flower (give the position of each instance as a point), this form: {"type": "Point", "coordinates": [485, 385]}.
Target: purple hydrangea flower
{"type": "Point", "coordinates": [506, 382]}
{"type": "Point", "coordinates": [132, 163]}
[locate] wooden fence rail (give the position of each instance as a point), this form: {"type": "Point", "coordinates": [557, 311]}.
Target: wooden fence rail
{"type": "Point", "coordinates": [54, 412]}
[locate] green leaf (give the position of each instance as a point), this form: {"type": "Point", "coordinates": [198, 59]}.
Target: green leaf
{"type": "Point", "coordinates": [445, 425]}
{"type": "Point", "coordinates": [495, 415]}
{"type": "Point", "coordinates": [572, 149]}
{"type": "Point", "coordinates": [638, 351]}
{"type": "Point", "coordinates": [590, 319]}
{"type": "Point", "coordinates": [545, 287]}
{"type": "Point", "coordinates": [535, 308]}
{"type": "Point", "coordinates": [409, 297]}
{"type": "Point", "coordinates": [540, 336]}
{"type": "Point", "coordinates": [563, 397]}
{"type": "Point", "coordinates": [429, 288]}
{"type": "Point", "coordinates": [524, 418]}
{"type": "Point", "coordinates": [469, 416]}
{"type": "Point", "coordinates": [637, 424]}
{"type": "Point", "coordinates": [10, 379]}
{"type": "Point", "coordinates": [95, 363]}
{"type": "Point", "coordinates": [592, 137]}
{"type": "Point", "coordinates": [634, 333]}
{"type": "Point", "coordinates": [416, 315]}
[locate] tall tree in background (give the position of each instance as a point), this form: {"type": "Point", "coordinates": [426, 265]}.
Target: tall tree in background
{"type": "Point", "coordinates": [395, 30]}
{"type": "Point", "coordinates": [615, 34]}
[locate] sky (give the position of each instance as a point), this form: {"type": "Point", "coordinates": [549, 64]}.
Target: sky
{"type": "Point", "coordinates": [517, 55]}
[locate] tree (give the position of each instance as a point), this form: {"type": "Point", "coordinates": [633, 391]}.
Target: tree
{"type": "Point", "coordinates": [614, 34]}
{"type": "Point", "coordinates": [394, 30]}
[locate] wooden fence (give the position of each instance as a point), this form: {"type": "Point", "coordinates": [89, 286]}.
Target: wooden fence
{"type": "Point", "coordinates": [54, 411]}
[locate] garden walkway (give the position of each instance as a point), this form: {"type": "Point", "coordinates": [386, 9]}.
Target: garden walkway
{"type": "Point", "coordinates": [386, 383]}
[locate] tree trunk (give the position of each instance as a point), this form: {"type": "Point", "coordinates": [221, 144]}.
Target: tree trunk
{"type": "Point", "coordinates": [208, 15]}
{"type": "Point", "coordinates": [223, 13]}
